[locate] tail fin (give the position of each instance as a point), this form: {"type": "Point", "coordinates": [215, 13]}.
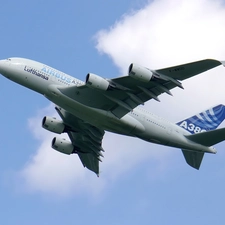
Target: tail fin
{"type": "Point", "coordinates": [204, 121]}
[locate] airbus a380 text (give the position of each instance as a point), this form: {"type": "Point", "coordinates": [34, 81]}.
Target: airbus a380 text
{"type": "Point", "coordinates": [88, 109]}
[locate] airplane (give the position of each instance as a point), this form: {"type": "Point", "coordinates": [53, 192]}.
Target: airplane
{"type": "Point", "coordinates": [88, 109]}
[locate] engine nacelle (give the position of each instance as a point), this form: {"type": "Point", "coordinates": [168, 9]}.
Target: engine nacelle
{"type": "Point", "coordinates": [95, 81]}
{"type": "Point", "coordinates": [53, 125]}
{"type": "Point", "coordinates": [140, 73]}
{"type": "Point", "coordinates": [62, 145]}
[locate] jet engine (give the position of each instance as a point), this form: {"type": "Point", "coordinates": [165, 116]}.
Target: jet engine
{"type": "Point", "coordinates": [62, 145]}
{"type": "Point", "coordinates": [140, 73]}
{"type": "Point", "coordinates": [53, 125]}
{"type": "Point", "coordinates": [95, 81]}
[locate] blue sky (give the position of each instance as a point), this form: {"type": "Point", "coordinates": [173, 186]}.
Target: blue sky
{"type": "Point", "coordinates": [140, 183]}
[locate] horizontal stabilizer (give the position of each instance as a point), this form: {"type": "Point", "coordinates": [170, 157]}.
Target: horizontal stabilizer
{"type": "Point", "coordinates": [208, 138]}
{"type": "Point", "coordinates": [193, 158]}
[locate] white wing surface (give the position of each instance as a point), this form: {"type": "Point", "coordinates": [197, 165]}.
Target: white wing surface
{"type": "Point", "coordinates": [126, 93]}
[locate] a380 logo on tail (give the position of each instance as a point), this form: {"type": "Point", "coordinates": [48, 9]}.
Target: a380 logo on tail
{"type": "Point", "coordinates": [191, 127]}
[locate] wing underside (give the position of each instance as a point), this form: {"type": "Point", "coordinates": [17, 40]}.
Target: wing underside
{"type": "Point", "coordinates": [86, 139]}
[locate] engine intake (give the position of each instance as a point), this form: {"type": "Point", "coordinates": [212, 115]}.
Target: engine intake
{"type": "Point", "coordinates": [62, 145]}
{"type": "Point", "coordinates": [53, 125]}
{"type": "Point", "coordinates": [140, 73]}
{"type": "Point", "coordinates": [97, 82]}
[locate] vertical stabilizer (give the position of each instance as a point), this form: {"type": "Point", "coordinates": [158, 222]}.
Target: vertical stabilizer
{"type": "Point", "coordinates": [204, 121]}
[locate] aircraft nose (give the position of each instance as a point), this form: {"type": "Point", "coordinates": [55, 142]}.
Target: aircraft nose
{"type": "Point", "coordinates": [1, 65]}
{"type": "Point", "coordinates": [4, 65]}
{"type": "Point", "coordinates": [1, 62]}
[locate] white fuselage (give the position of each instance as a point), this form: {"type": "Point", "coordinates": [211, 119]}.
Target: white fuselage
{"type": "Point", "coordinates": [138, 123]}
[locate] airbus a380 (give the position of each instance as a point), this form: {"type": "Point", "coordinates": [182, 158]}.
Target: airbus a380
{"type": "Point", "coordinates": [88, 109]}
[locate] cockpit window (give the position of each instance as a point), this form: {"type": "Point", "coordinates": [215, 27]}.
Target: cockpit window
{"type": "Point", "coordinates": [9, 59]}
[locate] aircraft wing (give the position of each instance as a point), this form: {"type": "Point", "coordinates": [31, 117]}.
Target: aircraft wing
{"type": "Point", "coordinates": [126, 93]}
{"type": "Point", "coordinates": [87, 139]}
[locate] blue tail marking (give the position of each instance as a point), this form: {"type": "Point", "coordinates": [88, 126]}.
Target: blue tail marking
{"type": "Point", "coordinates": [204, 121]}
